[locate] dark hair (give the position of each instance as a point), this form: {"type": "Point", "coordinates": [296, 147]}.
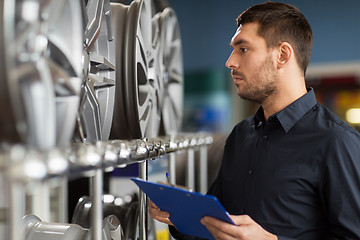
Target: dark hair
{"type": "Point", "coordinates": [280, 22]}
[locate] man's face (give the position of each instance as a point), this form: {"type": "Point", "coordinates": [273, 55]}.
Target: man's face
{"type": "Point", "coordinates": [252, 64]}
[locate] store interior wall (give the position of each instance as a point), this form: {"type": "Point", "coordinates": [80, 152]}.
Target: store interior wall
{"type": "Point", "coordinates": [207, 27]}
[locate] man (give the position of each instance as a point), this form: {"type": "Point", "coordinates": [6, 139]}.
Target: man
{"type": "Point", "coordinates": [292, 170]}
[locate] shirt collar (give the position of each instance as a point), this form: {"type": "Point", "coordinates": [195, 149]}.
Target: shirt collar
{"type": "Point", "coordinates": [292, 113]}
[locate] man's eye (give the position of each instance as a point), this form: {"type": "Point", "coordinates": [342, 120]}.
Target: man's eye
{"type": "Point", "coordinates": [243, 50]}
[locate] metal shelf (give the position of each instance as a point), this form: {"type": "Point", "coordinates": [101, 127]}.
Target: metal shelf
{"type": "Point", "coordinates": [71, 76]}
{"type": "Point", "coordinates": [21, 165]}
{"type": "Point", "coordinates": [78, 158]}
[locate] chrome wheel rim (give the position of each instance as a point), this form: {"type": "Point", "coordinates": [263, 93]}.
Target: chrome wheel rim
{"type": "Point", "coordinates": [43, 69]}
{"type": "Point", "coordinates": [98, 87]}
{"type": "Point", "coordinates": [138, 82]}
{"type": "Point", "coordinates": [173, 76]}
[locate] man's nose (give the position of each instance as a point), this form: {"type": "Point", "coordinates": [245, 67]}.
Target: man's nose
{"type": "Point", "coordinates": [230, 62]}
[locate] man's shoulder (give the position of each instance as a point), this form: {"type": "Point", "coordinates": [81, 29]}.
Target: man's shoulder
{"type": "Point", "coordinates": [331, 122]}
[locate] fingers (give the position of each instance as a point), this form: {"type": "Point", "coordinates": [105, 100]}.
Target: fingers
{"type": "Point", "coordinates": [218, 234]}
{"type": "Point", "coordinates": [244, 228]}
{"type": "Point", "coordinates": [157, 214]}
{"type": "Point", "coordinates": [241, 219]}
{"type": "Point", "coordinates": [220, 229]}
{"type": "Point", "coordinates": [154, 210]}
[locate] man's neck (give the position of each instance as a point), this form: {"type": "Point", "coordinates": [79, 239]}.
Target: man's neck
{"type": "Point", "coordinates": [282, 99]}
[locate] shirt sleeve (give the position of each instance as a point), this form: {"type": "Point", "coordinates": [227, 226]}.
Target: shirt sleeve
{"type": "Point", "coordinates": [285, 238]}
{"type": "Point", "coordinates": [181, 236]}
{"type": "Point", "coordinates": [340, 190]}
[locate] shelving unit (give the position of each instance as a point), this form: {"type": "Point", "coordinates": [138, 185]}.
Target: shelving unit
{"type": "Point", "coordinates": [76, 71]}
{"type": "Point", "coordinates": [21, 165]}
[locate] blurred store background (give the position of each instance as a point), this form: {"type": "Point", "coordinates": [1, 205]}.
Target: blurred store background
{"type": "Point", "coordinates": [210, 102]}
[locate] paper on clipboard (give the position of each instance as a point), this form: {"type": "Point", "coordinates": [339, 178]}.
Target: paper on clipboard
{"type": "Point", "coordinates": [186, 208]}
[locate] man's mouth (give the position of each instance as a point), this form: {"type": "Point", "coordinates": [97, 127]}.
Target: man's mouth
{"type": "Point", "coordinates": [237, 76]}
{"type": "Point", "coordinates": [237, 79]}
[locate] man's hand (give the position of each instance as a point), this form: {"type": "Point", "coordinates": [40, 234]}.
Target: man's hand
{"type": "Point", "coordinates": [245, 228]}
{"type": "Point", "coordinates": [159, 215]}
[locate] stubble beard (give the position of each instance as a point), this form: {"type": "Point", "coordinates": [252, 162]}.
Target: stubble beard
{"type": "Point", "coordinates": [263, 83]}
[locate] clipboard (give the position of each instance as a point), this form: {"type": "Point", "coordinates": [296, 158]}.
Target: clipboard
{"type": "Point", "coordinates": [186, 208]}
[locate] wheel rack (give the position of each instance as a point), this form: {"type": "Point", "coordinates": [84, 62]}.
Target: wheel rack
{"type": "Point", "coordinates": [85, 91]}
{"type": "Point", "coordinates": [92, 160]}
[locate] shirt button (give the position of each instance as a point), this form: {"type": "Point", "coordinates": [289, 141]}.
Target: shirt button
{"type": "Point", "coordinates": [251, 172]}
{"type": "Point", "coordinates": [265, 137]}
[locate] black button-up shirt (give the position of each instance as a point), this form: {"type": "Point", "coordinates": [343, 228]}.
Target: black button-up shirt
{"type": "Point", "coordinates": [297, 174]}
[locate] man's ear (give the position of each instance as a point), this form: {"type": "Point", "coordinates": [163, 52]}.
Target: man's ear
{"type": "Point", "coordinates": [285, 53]}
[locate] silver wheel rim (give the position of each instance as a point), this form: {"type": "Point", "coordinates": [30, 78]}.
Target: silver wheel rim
{"type": "Point", "coordinates": [139, 85]}
{"type": "Point", "coordinates": [173, 76]}
{"type": "Point", "coordinates": [98, 88]}
{"type": "Point", "coordinates": [150, 86]}
{"type": "Point", "coordinates": [43, 62]}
